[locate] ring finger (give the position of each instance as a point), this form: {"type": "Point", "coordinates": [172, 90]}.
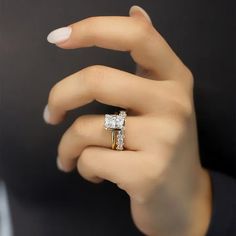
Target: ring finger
{"type": "Point", "coordinates": [88, 130]}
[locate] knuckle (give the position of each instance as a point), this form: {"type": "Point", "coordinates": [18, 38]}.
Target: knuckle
{"type": "Point", "coordinates": [182, 108]}
{"type": "Point", "coordinates": [93, 76]}
{"type": "Point", "coordinates": [189, 74]}
{"type": "Point", "coordinates": [94, 69]}
{"type": "Point", "coordinates": [80, 127]}
{"type": "Point", "coordinates": [144, 28]}
{"type": "Point", "coordinates": [181, 104]}
{"type": "Point", "coordinates": [180, 119]}
{"type": "Point", "coordinates": [186, 110]}
{"type": "Point", "coordinates": [189, 78]}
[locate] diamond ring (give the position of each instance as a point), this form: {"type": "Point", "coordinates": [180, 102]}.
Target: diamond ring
{"type": "Point", "coordinates": [116, 124]}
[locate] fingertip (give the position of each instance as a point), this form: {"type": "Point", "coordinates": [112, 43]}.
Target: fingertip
{"type": "Point", "coordinates": [65, 166]}
{"type": "Point", "coordinates": [62, 167]}
{"type": "Point", "coordinates": [60, 35]}
{"type": "Point", "coordinates": [59, 165]}
{"type": "Point", "coordinates": [49, 118]}
{"type": "Point", "coordinates": [137, 11]}
{"type": "Point", "coordinates": [46, 115]}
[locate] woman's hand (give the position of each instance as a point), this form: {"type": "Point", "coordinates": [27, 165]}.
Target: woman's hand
{"type": "Point", "coordinates": [160, 167]}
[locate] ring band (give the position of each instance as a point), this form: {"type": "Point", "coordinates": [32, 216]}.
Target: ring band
{"type": "Point", "coordinates": [116, 124]}
{"type": "Point", "coordinates": [120, 140]}
{"type": "Point", "coordinates": [113, 139]}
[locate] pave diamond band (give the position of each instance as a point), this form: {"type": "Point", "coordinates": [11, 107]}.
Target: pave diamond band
{"type": "Point", "coordinates": [116, 123]}
{"type": "Point", "coordinates": [120, 140]}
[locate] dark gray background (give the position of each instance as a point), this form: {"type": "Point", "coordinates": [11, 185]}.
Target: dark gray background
{"type": "Point", "coordinates": [47, 202]}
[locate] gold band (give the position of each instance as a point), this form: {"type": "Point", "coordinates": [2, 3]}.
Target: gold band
{"type": "Point", "coordinates": [113, 139]}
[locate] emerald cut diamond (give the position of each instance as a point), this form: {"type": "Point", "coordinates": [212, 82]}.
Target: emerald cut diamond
{"type": "Point", "coordinates": [114, 121]}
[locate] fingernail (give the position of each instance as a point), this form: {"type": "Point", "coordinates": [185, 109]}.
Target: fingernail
{"type": "Point", "coordinates": [59, 165]}
{"type": "Point", "coordinates": [46, 115]}
{"type": "Point", "coordinates": [59, 35]}
{"type": "Point", "coordinates": [141, 10]}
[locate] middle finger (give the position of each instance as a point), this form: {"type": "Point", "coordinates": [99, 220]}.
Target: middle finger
{"type": "Point", "coordinates": [103, 84]}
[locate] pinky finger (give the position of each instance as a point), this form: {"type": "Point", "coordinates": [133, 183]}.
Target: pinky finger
{"type": "Point", "coordinates": [96, 164]}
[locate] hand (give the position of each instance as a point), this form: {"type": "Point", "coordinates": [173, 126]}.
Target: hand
{"type": "Point", "coordinates": [160, 167]}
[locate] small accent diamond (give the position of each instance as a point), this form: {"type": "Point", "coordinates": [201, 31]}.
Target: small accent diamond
{"type": "Point", "coordinates": [120, 140]}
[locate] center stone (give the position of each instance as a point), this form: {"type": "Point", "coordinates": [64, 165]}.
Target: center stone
{"type": "Point", "coordinates": [114, 121]}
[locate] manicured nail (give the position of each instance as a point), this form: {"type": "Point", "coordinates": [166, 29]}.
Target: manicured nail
{"type": "Point", "coordinates": [59, 165]}
{"type": "Point", "coordinates": [46, 115]}
{"type": "Point", "coordinates": [59, 35]}
{"type": "Point", "coordinates": [141, 10]}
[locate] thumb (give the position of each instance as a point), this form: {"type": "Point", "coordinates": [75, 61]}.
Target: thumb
{"type": "Point", "coordinates": [136, 11]}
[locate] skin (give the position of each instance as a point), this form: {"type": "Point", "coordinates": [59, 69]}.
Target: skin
{"type": "Point", "coordinates": [170, 192]}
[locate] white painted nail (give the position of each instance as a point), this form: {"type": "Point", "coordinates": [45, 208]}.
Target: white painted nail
{"type": "Point", "coordinates": [141, 10]}
{"type": "Point", "coordinates": [46, 115]}
{"type": "Point", "coordinates": [59, 165]}
{"type": "Point", "coordinates": [59, 35]}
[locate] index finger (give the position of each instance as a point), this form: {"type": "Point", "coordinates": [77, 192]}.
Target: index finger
{"type": "Point", "coordinates": [139, 37]}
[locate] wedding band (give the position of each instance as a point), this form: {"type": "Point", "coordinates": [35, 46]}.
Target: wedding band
{"type": "Point", "coordinates": [116, 124]}
{"type": "Point", "coordinates": [120, 140]}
